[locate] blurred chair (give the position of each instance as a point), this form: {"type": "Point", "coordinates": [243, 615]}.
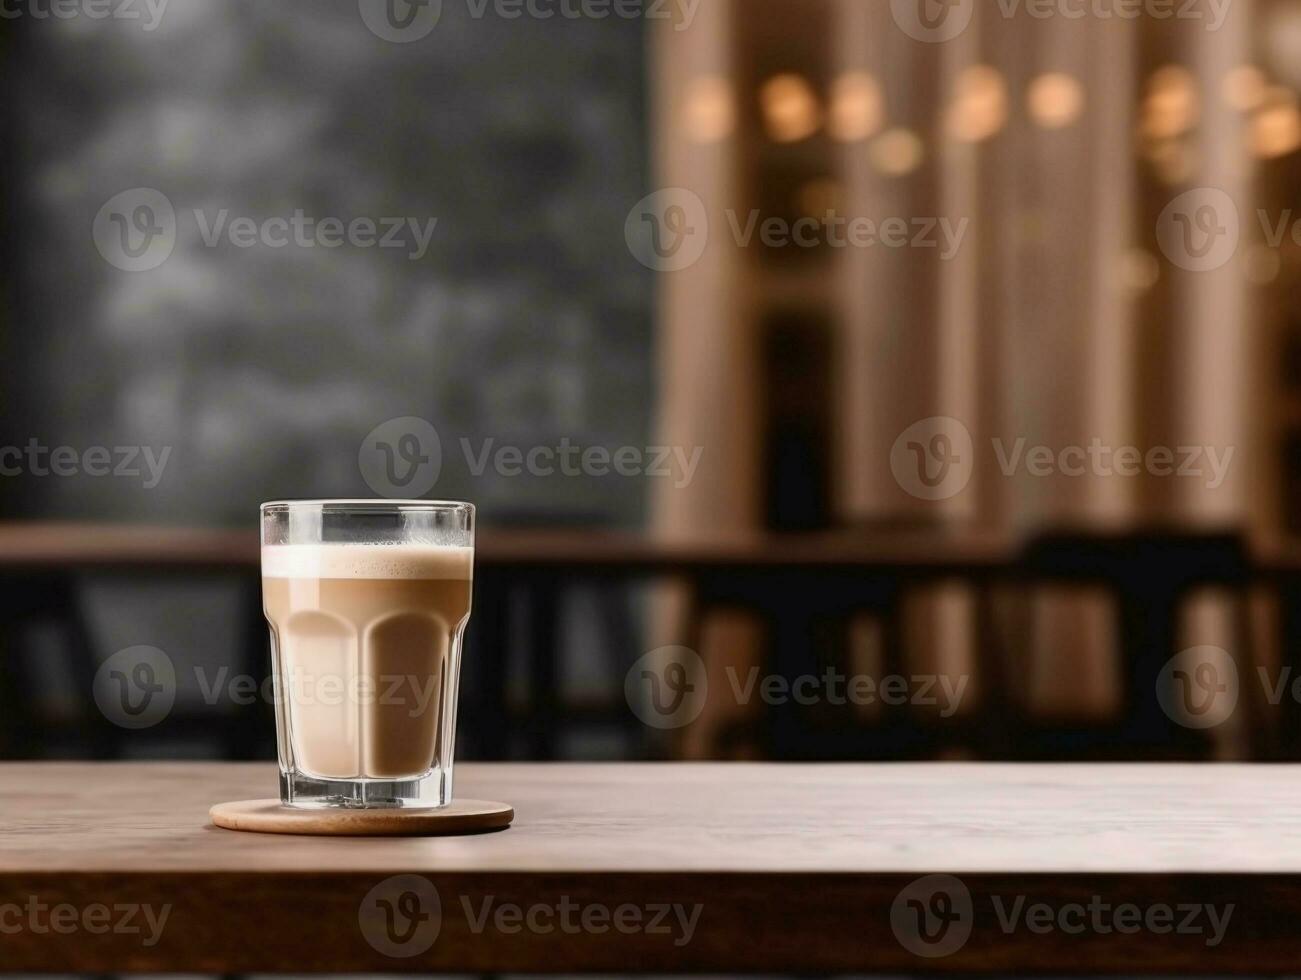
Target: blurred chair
{"type": "Point", "coordinates": [1150, 577]}
{"type": "Point", "coordinates": [28, 601]}
{"type": "Point", "coordinates": [811, 619]}
{"type": "Point", "coordinates": [527, 610]}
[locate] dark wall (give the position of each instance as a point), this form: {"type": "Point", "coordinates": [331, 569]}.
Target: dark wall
{"type": "Point", "coordinates": [263, 368]}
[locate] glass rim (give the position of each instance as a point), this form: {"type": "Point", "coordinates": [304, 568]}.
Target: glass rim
{"type": "Point", "coordinates": [361, 503]}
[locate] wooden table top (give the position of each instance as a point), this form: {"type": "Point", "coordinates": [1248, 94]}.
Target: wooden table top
{"type": "Point", "coordinates": [705, 867]}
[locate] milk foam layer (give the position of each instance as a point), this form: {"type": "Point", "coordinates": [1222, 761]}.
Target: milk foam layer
{"type": "Point", "coordinates": [367, 561]}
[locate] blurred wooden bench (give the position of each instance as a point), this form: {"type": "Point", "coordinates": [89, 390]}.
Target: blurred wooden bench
{"type": "Point", "coordinates": [790, 581]}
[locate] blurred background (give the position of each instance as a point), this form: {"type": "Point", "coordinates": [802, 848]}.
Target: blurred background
{"type": "Point", "coordinates": [835, 379]}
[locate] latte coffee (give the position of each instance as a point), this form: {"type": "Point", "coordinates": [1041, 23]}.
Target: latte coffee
{"type": "Point", "coordinates": [366, 640]}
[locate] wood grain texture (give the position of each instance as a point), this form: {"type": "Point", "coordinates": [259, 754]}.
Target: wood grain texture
{"type": "Point", "coordinates": [793, 868]}
{"type": "Point", "coordinates": [272, 817]}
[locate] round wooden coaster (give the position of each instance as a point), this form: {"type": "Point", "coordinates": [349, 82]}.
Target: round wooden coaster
{"type": "Point", "coordinates": [273, 817]}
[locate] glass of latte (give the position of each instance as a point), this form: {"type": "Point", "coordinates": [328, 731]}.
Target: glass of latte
{"type": "Point", "coordinates": [367, 602]}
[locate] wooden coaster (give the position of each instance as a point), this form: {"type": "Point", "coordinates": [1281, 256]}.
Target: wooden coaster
{"type": "Point", "coordinates": [273, 817]}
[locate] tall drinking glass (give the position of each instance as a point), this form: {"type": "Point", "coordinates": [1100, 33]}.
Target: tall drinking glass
{"type": "Point", "coordinates": [367, 602]}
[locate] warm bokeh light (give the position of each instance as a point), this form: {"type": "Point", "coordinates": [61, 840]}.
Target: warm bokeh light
{"type": "Point", "coordinates": [896, 152]}
{"type": "Point", "coordinates": [1055, 100]}
{"type": "Point", "coordinates": [1139, 270]}
{"type": "Point", "coordinates": [1243, 88]}
{"type": "Point", "coordinates": [817, 197]}
{"type": "Point", "coordinates": [790, 108]}
{"type": "Point", "coordinates": [1276, 125]}
{"type": "Point", "coordinates": [709, 113]}
{"type": "Point", "coordinates": [979, 108]}
{"type": "Point", "coordinates": [857, 107]}
{"type": "Point", "coordinates": [1171, 105]}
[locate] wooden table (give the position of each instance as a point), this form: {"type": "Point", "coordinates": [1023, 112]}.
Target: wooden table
{"type": "Point", "coordinates": [746, 868]}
